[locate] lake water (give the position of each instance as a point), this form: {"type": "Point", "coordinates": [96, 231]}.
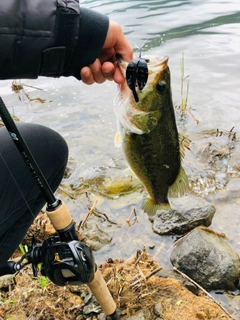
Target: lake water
{"type": "Point", "coordinates": [206, 34]}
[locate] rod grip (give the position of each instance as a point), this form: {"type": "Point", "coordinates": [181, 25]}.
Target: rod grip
{"type": "Point", "coordinates": [60, 217]}
{"type": "Point", "coordinates": [100, 290]}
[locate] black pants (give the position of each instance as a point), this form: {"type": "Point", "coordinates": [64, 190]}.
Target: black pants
{"type": "Point", "coordinates": [20, 197]}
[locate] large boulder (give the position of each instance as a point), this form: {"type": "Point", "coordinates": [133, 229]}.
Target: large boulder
{"type": "Point", "coordinates": [206, 258]}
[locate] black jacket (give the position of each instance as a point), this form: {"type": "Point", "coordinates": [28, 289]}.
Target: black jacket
{"type": "Point", "coordinates": [48, 38]}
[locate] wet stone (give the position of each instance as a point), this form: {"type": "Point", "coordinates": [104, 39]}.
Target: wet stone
{"type": "Point", "coordinates": [175, 222]}
{"type": "Point", "coordinates": [206, 258]}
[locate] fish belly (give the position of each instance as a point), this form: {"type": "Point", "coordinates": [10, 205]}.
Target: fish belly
{"type": "Point", "coordinates": [155, 160]}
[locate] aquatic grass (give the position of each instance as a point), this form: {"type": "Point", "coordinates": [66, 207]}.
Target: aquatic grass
{"type": "Point", "coordinates": [184, 97]}
{"type": "Point", "coordinates": [184, 108]}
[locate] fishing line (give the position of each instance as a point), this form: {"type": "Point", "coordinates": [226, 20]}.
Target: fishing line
{"type": "Point", "coordinates": [16, 183]}
{"type": "Point", "coordinates": [140, 48]}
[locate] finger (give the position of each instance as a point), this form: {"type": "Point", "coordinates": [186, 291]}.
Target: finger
{"type": "Point", "coordinates": [108, 70]}
{"type": "Point", "coordinates": [86, 75]}
{"type": "Point", "coordinates": [96, 69]}
{"type": "Point", "coordinates": [107, 55]}
{"type": "Point", "coordinates": [118, 76]}
{"type": "Point", "coordinates": [117, 40]}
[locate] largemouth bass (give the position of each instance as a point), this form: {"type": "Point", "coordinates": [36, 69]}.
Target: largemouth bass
{"type": "Point", "coordinates": [149, 137]}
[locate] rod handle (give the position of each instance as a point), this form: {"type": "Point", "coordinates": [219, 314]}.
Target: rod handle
{"type": "Point", "coordinates": [100, 290]}
{"type": "Point", "coordinates": [60, 217]}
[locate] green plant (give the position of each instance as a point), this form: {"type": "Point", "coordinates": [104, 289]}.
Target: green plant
{"type": "Point", "coordinates": [43, 282]}
{"type": "Point", "coordinates": [23, 248]}
{"type": "Point", "coordinates": [184, 93]}
{"type": "Point", "coordinates": [12, 302]}
{"type": "Point", "coordinates": [184, 97]}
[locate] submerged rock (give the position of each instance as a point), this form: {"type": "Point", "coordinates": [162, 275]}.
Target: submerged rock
{"type": "Point", "coordinates": [94, 237]}
{"type": "Point", "coordinates": [207, 259]}
{"type": "Point", "coordinates": [110, 181]}
{"type": "Point", "coordinates": [175, 222]}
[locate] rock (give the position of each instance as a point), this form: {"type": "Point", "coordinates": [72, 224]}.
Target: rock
{"type": "Point", "coordinates": [174, 222]}
{"type": "Point", "coordinates": [102, 316]}
{"type": "Point", "coordinates": [94, 237]}
{"type": "Point", "coordinates": [7, 281]}
{"type": "Point", "coordinates": [158, 309]}
{"type": "Point", "coordinates": [141, 315]}
{"type": "Point", "coordinates": [153, 313]}
{"type": "Point", "coordinates": [91, 308]}
{"type": "Point", "coordinates": [207, 259]}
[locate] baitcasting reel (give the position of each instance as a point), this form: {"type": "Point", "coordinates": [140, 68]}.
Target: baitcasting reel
{"type": "Point", "coordinates": [62, 262]}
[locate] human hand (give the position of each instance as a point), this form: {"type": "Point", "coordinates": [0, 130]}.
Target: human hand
{"type": "Point", "coordinates": [105, 67]}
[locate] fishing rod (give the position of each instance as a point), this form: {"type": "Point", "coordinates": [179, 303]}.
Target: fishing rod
{"type": "Point", "coordinates": [64, 259]}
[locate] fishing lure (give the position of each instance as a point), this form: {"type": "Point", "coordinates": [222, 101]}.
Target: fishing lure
{"type": "Point", "coordinates": [137, 74]}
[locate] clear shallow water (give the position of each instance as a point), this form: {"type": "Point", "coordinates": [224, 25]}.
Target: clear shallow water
{"type": "Point", "coordinates": [208, 35]}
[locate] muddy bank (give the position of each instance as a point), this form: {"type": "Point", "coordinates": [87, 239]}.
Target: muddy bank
{"type": "Point", "coordinates": [139, 288]}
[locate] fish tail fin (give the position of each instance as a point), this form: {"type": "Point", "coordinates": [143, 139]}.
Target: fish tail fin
{"type": "Point", "coordinates": [180, 185]}
{"type": "Point", "coordinates": [150, 207]}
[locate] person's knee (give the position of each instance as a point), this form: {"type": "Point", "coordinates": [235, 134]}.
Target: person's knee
{"type": "Point", "coordinates": [44, 142]}
{"type": "Point", "coordinates": [47, 147]}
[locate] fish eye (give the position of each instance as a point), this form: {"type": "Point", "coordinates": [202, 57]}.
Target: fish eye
{"type": "Point", "coordinates": [161, 86]}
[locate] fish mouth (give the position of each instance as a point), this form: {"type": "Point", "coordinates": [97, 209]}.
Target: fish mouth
{"type": "Point", "coordinates": [153, 63]}
{"type": "Point", "coordinates": [156, 63]}
{"type": "Point", "coordinates": [149, 59]}
{"type": "Point", "coordinates": [128, 107]}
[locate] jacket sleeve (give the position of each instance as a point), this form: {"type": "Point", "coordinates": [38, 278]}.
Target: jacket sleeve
{"type": "Point", "coordinates": [48, 38]}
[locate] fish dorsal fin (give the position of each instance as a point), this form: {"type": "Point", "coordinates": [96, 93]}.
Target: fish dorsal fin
{"type": "Point", "coordinates": [180, 185]}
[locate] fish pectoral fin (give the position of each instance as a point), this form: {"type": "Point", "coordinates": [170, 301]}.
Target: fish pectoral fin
{"type": "Point", "coordinates": [180, 185]}
{"type": "Point", "coordinates": [150, 207]}
{"type": "Point", "coordinates": [146, 121]}
{"type": "Point", "coordinates": [117, 140]}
